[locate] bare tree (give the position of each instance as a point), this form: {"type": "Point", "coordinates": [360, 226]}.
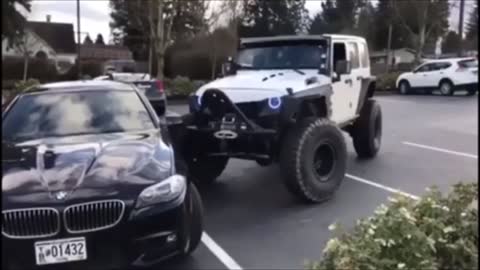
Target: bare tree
{"type": "Point", "coordinates": [25, 47]}
{"type": "Point", "coordinates": [424, 13]}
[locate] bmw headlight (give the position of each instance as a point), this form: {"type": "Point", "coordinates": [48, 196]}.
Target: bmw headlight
{"type": "Point", "coordinates": [165, 191]}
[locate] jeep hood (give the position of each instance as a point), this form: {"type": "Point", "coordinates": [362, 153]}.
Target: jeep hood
{"type": "Point", "coordinates": [256, 85]}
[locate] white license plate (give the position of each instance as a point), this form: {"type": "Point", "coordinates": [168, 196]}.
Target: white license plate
{"type": "Point", "coordinates": [61, 251]}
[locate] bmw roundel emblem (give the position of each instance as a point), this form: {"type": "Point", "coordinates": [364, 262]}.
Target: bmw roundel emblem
{"type": "Point", "coordinates": [61, 195]}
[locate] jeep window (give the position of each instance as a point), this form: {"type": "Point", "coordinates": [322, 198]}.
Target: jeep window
{"type": "Point", "coordinates": [354, 55]}
{"type": "Point", "coordinates": [283, 56]}
{"type": "Point", "coordinates": [339, 53]}
{"type": "Point", "coordinates": [364, 61]}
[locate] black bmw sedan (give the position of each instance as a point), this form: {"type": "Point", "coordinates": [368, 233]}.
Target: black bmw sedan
{"type": "Point", "coordinates": [89, 181]}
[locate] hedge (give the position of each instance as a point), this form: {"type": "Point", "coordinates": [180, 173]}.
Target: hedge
{"type": "Point", "coordinates": [436, 232]}
{"type": "Point", "coordinates": [387, 81]}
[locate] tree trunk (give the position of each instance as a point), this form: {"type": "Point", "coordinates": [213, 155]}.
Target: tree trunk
{"type": "Point", "coordinates": [214, 58]}
{"type": "Point", "coordinates": [25, 68]}
{"type": "Point", "coordinates": [160, 41]}
{"type": "Point", "coordinates": [420, 43]}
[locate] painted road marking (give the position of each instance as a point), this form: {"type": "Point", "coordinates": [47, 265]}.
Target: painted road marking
{"type": "Point", "coordinates": [441, 150]}
{"type": "Point", "coordinates": [220, 253]}
{"type": "Point", "coordinates": [377, 185]}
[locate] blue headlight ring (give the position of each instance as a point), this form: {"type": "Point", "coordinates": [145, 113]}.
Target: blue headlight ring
{"type": "Point", "coordinates": [274, 102]}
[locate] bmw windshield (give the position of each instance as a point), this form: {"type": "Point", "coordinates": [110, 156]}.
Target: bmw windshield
{"type": "Point", "coordinates": [36, 116]}
{"type": "Point", "coordinates": [284, 55]}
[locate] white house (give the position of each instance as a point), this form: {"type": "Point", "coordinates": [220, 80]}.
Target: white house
{"type": "Point", "coordinates": [403, 55]}
{"type": "Point", "coordinates": [53, 41]}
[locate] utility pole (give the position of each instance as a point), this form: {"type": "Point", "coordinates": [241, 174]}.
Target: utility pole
{"type": "Point", "coordinates": [78, 41]}
{"type": "Point", "coordinates": [389, 47]}
{"type": "Point", "coordinates": [460, 27]}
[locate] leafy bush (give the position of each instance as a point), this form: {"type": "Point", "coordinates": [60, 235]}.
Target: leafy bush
{"type": "Point", "coordinates": [21, 86]}
{"type": "Point", "coordinates": [387, 81]}
{"type": "Point", "coordinates": [180, 86]}
{"type": "Point", "coordinates": [436, 232]}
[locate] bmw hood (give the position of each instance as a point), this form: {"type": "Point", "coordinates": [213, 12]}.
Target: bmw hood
{"type": "Point", "coordinates": [56, 170]}
{"type": "Point", "coordinates": [256, 85]}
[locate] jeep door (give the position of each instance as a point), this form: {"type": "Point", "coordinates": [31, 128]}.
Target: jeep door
{"type": "Point", "coordinates": [358, 72]}
{"type": "Point", "coordinates": [341, 86]}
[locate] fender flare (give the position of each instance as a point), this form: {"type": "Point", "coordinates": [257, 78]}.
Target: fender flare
{"type": "Point", "coordinates": [292, 103]}
{"type": "Point", "coordinates": [367, 90]}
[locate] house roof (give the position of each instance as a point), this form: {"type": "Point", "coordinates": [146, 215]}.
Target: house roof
{"type": "Point", "coordinates": [60, 36]}
{"type": "Point", "coordinates": [104, 52]}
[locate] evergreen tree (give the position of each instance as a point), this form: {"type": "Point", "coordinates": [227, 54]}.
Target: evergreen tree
{"type": "Point", "coordinates": [87, 40]}
{"type": "Point", "coordinates": [268, 18]}
{"type": "Point", "coordinates": [472, 28]}
{"type": "Point", "coordinates": [99, 40]}
{"type": "Point", "coordinates": [451, 42]}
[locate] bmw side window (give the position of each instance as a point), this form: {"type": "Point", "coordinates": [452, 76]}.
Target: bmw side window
{"type": "Point", "coordinates": [442, 66]}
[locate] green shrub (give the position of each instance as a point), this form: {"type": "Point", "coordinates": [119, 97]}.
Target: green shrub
{"type": "Point", "coordinates": [387, 81]}
{"type": "Point", "coordinates": [180, 86]}
{"type": "Point", "coordinates": [436, 232]}
{"type": "Point", "coordinates": [21, 86]}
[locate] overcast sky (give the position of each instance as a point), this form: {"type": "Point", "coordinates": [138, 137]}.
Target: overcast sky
{"type": "Point", "coordinates": [95, 14]}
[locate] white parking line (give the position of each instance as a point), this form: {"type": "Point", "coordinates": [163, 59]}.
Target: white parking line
{"type": "Point", "coordinates": [220, 253]}
{"type": "Point", "coordinates": [441, 150]}
{"type": "Point", "coordinates": [377, 185]}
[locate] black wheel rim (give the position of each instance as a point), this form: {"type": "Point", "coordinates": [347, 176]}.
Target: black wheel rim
{"type": "Point", "coordinates": [324, 161]}
{"type": "Point", "coordinates": [377, 129]}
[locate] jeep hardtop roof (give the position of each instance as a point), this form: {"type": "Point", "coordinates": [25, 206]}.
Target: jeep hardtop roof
{"type": "Point", "coordinates": [299, 38]}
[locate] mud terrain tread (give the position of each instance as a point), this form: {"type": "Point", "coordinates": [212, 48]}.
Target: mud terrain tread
{"type": "Point", "coordinates": [291, 159]}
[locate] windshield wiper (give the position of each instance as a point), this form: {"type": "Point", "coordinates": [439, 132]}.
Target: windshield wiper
{"type": "Point", "coordinates": [298, 71]}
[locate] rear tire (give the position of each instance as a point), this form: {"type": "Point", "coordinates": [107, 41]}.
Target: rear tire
{"type": "Point", "coordinates": [205, 170]}
{"type": "Point", "coordinates": [471, 91]}
{"type": "Point", "coordinates": [313, 160]}
{"type": "Point", "coordinates": [367, 130]}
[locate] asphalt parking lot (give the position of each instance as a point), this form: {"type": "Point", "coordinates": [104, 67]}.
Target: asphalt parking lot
{"type": "Point", "coordinates": [252, 222]}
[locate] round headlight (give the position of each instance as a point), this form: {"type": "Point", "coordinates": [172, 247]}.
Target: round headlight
{"type": "Point", "coordinates": [274, 102]}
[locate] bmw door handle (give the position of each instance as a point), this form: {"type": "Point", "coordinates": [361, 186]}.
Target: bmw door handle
{"type": "Point", "coordinates": [349, 81]}
{"type": "Point", "coordinates": [359, 78]}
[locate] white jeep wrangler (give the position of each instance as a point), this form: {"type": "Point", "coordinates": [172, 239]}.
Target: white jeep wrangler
{"type": "Point", "coordinates": [285, 99]}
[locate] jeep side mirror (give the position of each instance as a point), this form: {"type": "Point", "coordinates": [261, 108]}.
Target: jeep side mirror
{"type": "Point", "coordinates": [228, 68]}
{"type": "Point", "coordinates": [342, 67]}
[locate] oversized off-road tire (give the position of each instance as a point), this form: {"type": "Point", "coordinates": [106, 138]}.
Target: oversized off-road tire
{"type": "Point", "coordinates": [367, 130]}
{"type": "Point", "coordinates": [446, 87]}
{"type": "Point", "coordinates": [404, 87]}
{"type": "Point", "coordinates": [313, 159]}
{"type": "Point", "coordinates": [205, 170]}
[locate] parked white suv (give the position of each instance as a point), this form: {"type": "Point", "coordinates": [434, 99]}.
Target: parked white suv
{"type": "Point", "coordinates": [447, 75]}
{"type": "Point", "coordinates": [285, 99]}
